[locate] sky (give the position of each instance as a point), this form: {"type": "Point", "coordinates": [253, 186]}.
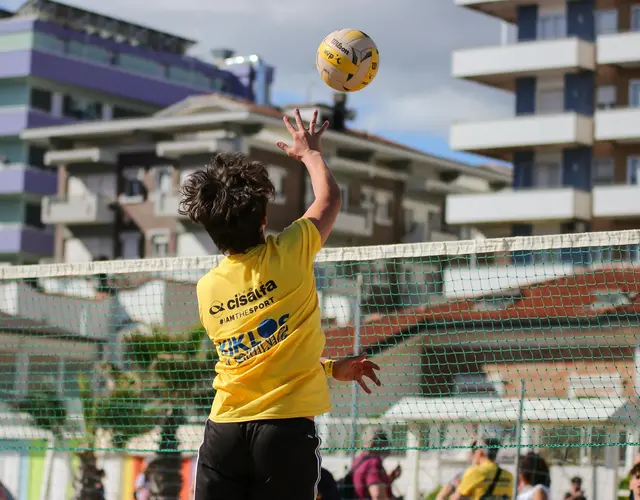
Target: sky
{"type": "Point", "coordinates": [413, 99]}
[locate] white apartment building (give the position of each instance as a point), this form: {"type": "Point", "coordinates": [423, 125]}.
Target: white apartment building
{"type": "Point", "coordinates": [574, 137]}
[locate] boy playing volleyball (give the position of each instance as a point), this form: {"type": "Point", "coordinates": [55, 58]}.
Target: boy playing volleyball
{"type": "Point", "coordinates": [260, 308]}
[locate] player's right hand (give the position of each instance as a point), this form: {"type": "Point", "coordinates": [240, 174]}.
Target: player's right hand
{"type": "Point", "coordinates": [304, 141]}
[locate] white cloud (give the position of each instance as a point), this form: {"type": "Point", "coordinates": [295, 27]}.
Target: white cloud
{"type": "Point", "coordinates": [434, 110]}
{"type": "Point", "coordinates": [413, 90]}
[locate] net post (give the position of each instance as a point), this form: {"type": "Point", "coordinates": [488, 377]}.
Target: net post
{"type": "Point", "coordinates": [519, 437]}
{"type": "Point", "coordinates": [357, 323]}
{"type": "Point", "coordinates": [413, 456]}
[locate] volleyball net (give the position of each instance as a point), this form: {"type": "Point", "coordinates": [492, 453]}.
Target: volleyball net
{"type": "Point", "coordinates": [532, 340]}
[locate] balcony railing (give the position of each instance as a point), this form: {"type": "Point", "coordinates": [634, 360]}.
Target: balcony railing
{"type": "Point", "coordinates": [89, 208]}
{"type": "Point", "coordinates": [355, 221]}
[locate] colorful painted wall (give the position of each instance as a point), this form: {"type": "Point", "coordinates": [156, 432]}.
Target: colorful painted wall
{"type": "Point", "coordinates": [23, 473]}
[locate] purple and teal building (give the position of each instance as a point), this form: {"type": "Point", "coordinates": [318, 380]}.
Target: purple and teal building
{"type": "Point", "coordinates": [60, 64]}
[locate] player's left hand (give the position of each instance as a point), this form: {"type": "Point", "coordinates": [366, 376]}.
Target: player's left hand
{"type": "Point", "coordinates": [355, 368]}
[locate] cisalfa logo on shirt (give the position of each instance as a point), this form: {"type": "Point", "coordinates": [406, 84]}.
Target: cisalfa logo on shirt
{"type": "Point", "coordinates": [236, 305]}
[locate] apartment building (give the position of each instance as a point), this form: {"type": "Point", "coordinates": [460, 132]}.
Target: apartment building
{"type": "Point", "coordinates": [574, 139]}
{"type": "Point", "coordinates": [59, 65]}
{"type": "Point", "coordinates": [117, 193]}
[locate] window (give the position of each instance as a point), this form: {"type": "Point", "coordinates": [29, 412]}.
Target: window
{"type": "Point", "coordinates": [140, 65]}
{"type": "Point", "coordinates": [36, 157]}
{"type": "Point", "coordinates": [7, 372]}
{"type": "Point", "coordinates": [32, 216]}
{"type": "Point", "coordinates": [72, 369]}
{"type": "Point", "coordinates": [130, 245]}
{"type": "Point", "coordinates": [602, 171]}
{"type": "Point", "coordinates": [409, 220]}
{"type": "Point", "coordinates": [42, 100]}
{"type": "Point", "coordinates": [44, 373]}
{"type": "Point", "coordinates": [634, 94]}
{"type": "Point", "coordinates": [606, 96]}
{"type": "Point", "coordinates": [277, 175]}
{"type": "Point", "coordinates": [635, 18]}
{"type": "Point", "coordinates": [164, 179]}
{"type": "Point", "coordinates": [606, 21]}
{"type": "Point", "coordinates": [132, 186]}
{"type": "Point", "coordinates": [384, 208]}
{"type": "Point", "coordinates": [550, 100]}
{"type": "Point", "coordinates": [436, 221]}
{"type": "Point", "coordinates": [81, 109]}
{"type": "Point", "coordinates": [547, 175]}
{"type": "Point", "coordinates": [552, 25]}
{"type": "Point", "coordinates": [344, 191]}
{"type": "Point", "coordinates": [633, 170]}
{"type": "Point", "coordinates": [119, 112]}
{"type": "Point", "coordinates": [48, 43]}
{"type": "Point", "coordinates": [159, 246]}
{"type": "Point", "coordinates": [218, 84]}
{"type": "Point", "coordinates": [367, 200]}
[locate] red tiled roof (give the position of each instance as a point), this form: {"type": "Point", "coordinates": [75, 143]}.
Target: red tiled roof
{"type": "Point", "coordinates": [567, 298]}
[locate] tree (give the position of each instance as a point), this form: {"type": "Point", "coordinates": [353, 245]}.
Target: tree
{"type": "Point", "coordinates": [176, 371]}
{"type": "Point", "coordinates": [120, 409]}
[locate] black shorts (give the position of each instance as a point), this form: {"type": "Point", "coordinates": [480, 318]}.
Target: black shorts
{"type": "Point", "coordinates": [260, 460]}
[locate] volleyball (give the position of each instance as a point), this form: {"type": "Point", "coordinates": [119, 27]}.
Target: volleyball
{"type": "Point", "coordinates": [347, 60]}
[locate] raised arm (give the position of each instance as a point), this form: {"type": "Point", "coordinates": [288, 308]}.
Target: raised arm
{"type": "Point", "coordinates": [306, 148]}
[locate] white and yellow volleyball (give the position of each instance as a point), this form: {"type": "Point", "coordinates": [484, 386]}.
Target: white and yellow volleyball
{"type": "Point", "coordinates": [348, 60]}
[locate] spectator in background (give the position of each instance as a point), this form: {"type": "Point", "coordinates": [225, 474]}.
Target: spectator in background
{"type": "Point", "coordinates": [449, 488]}
{"type": "Point", "coordinates": [485, 478]}
{"type": "Point", "coordinates": [327, 487]}
{"type": "Point", "coordinates": [141, 491]}
{"type": "Point", "coordinates": [534, 478]}
{"type": "Point", "coordinates": [634, 481]}
{"type": "Point", "coordinates": [575, 493]}
{"type": "Point", "coordinates": [370, 479]}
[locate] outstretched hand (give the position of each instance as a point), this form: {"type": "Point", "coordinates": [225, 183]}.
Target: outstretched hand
{"type": "Point", "coordinates": [355, 368]}
{"type": "Point", "coordinates": [305, 140]}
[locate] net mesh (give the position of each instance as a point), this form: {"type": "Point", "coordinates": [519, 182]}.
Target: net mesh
{"type": "Point", "coordinates": [530, 340]}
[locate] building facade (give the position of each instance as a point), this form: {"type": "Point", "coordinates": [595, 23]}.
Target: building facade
{"type": "Point", "coordinates": [117, 192]}
{"type": "Point", "coordinates": [574, 139]}
{"type": "Point", "coordinates": [59, 65]}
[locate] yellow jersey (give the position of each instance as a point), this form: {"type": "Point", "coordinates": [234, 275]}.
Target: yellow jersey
{"type": "Point", "coordinates": [261, 310]}
{"type": "Point", "coordinates": [477, 479]}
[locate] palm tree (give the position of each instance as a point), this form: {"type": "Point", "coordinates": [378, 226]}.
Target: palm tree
{"type": "Point", "coordinates": [176, 372]}
{"type": "Point", "coordinates": [121, 410]}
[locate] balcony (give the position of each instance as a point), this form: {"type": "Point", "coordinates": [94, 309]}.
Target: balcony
{"type": "Point", "coordinates": [90, 208]}
{"type": "Point", "coordinates": [500, 66]}
{"type": "Point", "coordinates": [354, 222]}
{"type": "Point", "coordinates": [616, 201]}
{"type": "Point", "coordinates": [23, 180]}
{"type": "Point", "coordinates": [499, 137]}
{"type": "Point", "coordinates": [504, 9]}
{"type": "Point", "coordinates": [88, 155]}
{"type": "Point", "coordinates": [617, 125]}
{"type": "Point", "coordinates": [20, 239]}
{"type": "Point", "coordinates": [519, 206]}
{"type": "Point", "coordinates": [166, 204]}
{"type": "Point", "coordinates": [619, 49]}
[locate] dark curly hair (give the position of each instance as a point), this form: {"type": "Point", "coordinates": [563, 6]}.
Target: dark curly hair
{"type": "Point", "coordinates": [534, 470]}
{"type": "Point", "coordinates": [229, 198]}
